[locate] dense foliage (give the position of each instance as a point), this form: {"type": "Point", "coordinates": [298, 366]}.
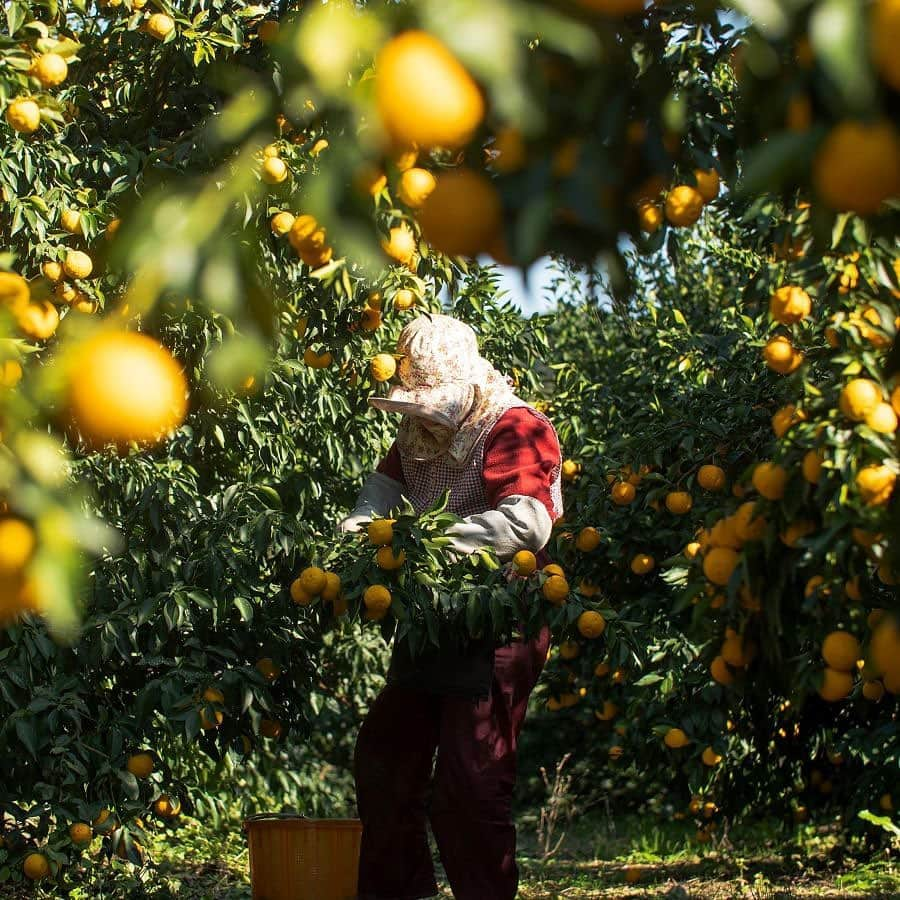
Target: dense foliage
{"type": "Point", "coordinates": [244, 194]}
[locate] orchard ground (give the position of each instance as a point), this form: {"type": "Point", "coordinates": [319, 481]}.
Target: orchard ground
{"type": "Point", "coordinates": [597, 858]}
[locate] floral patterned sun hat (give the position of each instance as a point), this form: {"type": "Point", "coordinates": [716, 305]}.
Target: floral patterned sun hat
{"type": "Point", "coordinates": [443, 380]}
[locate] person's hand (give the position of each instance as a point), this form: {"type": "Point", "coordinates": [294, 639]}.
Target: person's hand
{"type": "Point", "coordinates": [353, 523]}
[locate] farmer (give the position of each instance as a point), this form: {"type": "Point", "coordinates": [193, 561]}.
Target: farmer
{"type": "Point", "coordinates": [464, 429]}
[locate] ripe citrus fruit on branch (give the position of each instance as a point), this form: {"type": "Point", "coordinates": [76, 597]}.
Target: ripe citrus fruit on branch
{"type": "Point", "coordinates": [524, 563]}
{"type": "Point", "coordinates": [36, 866]}
{"type": "Point", "coordinates": [588, 539]}
{"type": "Point", "coordinates": [23, 116]}
{"type": "Point", "coordinates": [790, 304]}
{"type": "Point", "coordinates": [781, 356]}
{"type": "Point", "coordinates": [719, 563]}
{"type": "Point", "coordinates": [591, 624]}
{"type": "Point", "coordinates": [683, 205]}
{"type": "Point", "coordinates": [380, 532]}
{"type": "Point", "coordinates": [377, 600]}
{"type": "Point", "coordinates": [425, 96]}
{"type": "Point", "coordinates": [858, 398]}
{"type": "Point", "coordinates": [382, 367]}
{"type": "Point", "coordinates": [80, 833]}
{"type": "Point", "coordinates": [556, 589]}
{"type": "Point", "coordinates": [711, 478]}
{"type": "Point", "coordinates": [841, 650]}
{"type": "Point", "coordinates": [857, 167]}
{"type": "Point", "coordinates": [679, 502]}
{"type": "Point", "coordinates": [770, 479]}
{"type": "Point", "coordinates": [675, 738]}
{"type": "Point", "coordinates": [123, 387]}
{"type": "Point", "coordinates": [462, 215]}
{"type": "Point", "coordinates": [140, 765]}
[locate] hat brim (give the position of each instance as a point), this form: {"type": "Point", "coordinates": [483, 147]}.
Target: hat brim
{"type": "Point", "coordinates": [412, 403]}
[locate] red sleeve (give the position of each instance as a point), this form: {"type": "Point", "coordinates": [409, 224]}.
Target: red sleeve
{"type": "Point", "coordinates": [391, 465]}
{"type": "Point", "coordinates": [521, 456]}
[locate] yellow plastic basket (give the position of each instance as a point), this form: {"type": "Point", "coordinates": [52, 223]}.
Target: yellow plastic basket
{"type": "Point", "coordinates": [295, 858]}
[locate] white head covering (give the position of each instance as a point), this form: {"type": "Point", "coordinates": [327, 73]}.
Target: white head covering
{"type": "Point", "coordinates": [443, 380]}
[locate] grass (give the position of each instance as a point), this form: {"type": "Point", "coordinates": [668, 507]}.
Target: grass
{"type": "Point", "coordinates": [757, 862]}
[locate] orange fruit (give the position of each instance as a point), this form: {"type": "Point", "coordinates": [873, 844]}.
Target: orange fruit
{"type": "Point", "coordinates": [38, 319]}
{"type": "Point", "coordinates": [591, 624]}
{"type": "Point", "coordinates": [570, 469]}
{"type": "Point", "coordinates": [812, 465]}
{"type": "Point", "coordinates": [710, 757]}
{"type": "Point", "coordinates": [80, 833]}
{"type": "Point", "coordinates": [708, 184]}
{"type": "Point", "coordinates": [462, 215]}
{"type": "Point", "coordinates": [835, 685]}
{"type": "Point", "coordinates": [167, 807]}
{"type": "Point", "coordinates": [400, 245]}
{"type": "Point", "coordinates": [650, 216]}
{"type": "Point", "coordinates": [271, 728]}
{"type": "Point", "coordinates": [857, 166]}
{"type": "Point", "coordinates": [281, 223]}
{"type": "Point", "coordinates": [274, 170]}
{"type": "Point", "coordinates": [553, 569]}
{"type": "Point", "coordinates": [382, 367]}
{"type": "Point", "coordinates": [608, 712]}
{"type": "Point", "coordinates": [404, 299]}
{"type": "Point", "coordinates": [683, 205]}
{"type": "Point", "coordinates": [312, 580]}
{"type": "Point", "coordinates": [882, 419]}
{"type": "Point", "coordinates": [875, 484]}
{"type": "Point", "coordinates": [299, 595]}
{"type": "Point", "coordinates": [711, 478]}
{"type": "Point", "coordinates": [140, 765]}
{"type": "Point", "coordinates": [720, 672]}
{"type": "Point", "coordinates": [884, 35]}
{"type": "Point", "coordinates": [23, 115]}
{"type": "Point", "coordinates": [770, 479]}
{"type": "Point", "coordinates": [160, 26]}
{"type": "Point", "coordinates": [623, 493]}
{"type": "Point", "coordinates": [380, 532]}
{"type": "Point", "coordinates": [858, 398]}
{"type": "Point", "coordinates": [780, 355]}
{"type": "Point", "coordinates": [17, 545]}
{"type": "Point", "coordinates": [569, 650]}
{"type": "Point", "coordinates": [36, 866]}
{"type": "Point", "coordinates": [524, 563]}
{"type": "Point", "coordinates": [841, 650]}
{"type": "Point", "coordinates": [790, 304]}
{"type": "Point", "coordinates": [736, 651]}
{"type": "Point", "coordinates": [125, 387]}
{"type": "Point", "coordinates": [51, 270]}
{"type": "Point", "coordinates": [786, 417]}
{"type": "Point", "coordinates": [416, 186]}
{"type": "Point", "coordinates": [748, 527]}
{"type": "Point", "coordinates": [588, 539]}
{"type": "Point", "coordinates": [386, 559]}
{"type": "Point", "coordinates": [70, 219]}
{"type": "Point", "coordinates": [679, 502]}
{"type": "Point", "coordinates": [675, 738]}
{"type": "Point", "coordinates": [555, 589]}
{"type": "Point", "coordinates": [873, 690]}
{"type": "Point", "coordinates": [317, 360]}
{"type": "Point", "coordinates": [424, 95]}
{"type": "Point", "coordinates": [377, 600]}
{"type": "Point", "coordinates": [692, 549]}
{"type": "Point", "coordinates": [719, 563]}
{"type": "Point", "coordinates": [796, 531]}
{"type": "Point", "coordinates": [642, 564]}
{"type": "Point", "coordinates": [332, 588]}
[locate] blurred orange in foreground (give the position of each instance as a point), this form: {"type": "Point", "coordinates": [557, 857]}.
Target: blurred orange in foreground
{"type": "Point", "coordinates": [425, 96]}
{"type": "Point", "coordinates": [125, 387]}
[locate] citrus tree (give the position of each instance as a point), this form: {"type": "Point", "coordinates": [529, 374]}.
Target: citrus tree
{"type": "Point", "coordinates": [218, 217]}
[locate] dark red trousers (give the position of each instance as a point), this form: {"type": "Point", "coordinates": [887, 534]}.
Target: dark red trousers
{"type": "Point", "coordinates": [471, 791]}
